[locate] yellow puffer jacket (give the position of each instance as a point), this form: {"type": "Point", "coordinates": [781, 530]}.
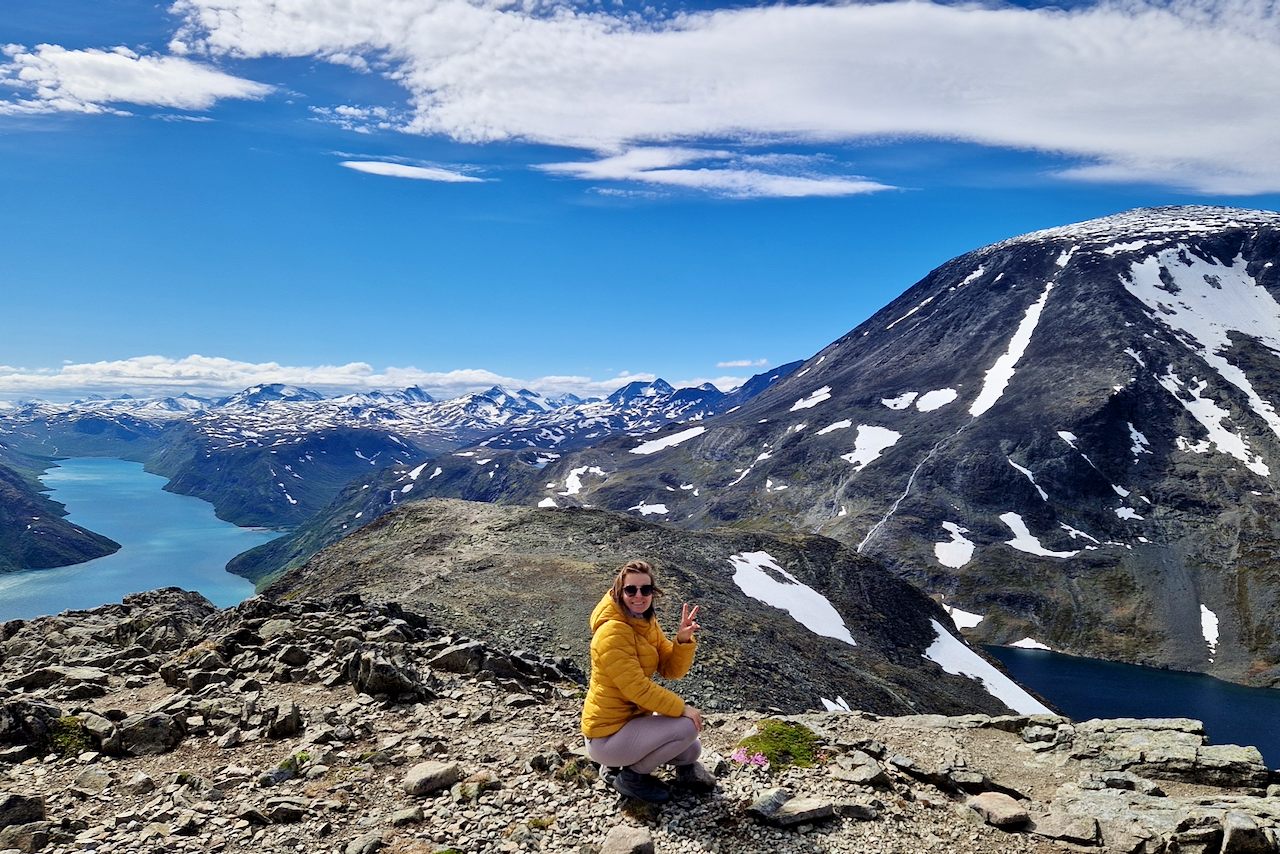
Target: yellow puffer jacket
{"type": "Point", "coordinates": [625, 653]}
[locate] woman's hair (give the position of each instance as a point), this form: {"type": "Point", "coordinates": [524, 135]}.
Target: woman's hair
{"type": "Point", "coordinates": [638, 567]}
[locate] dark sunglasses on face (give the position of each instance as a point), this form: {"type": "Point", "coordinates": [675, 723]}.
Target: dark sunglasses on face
{"type": "Point", "coordinates": [644, 590]}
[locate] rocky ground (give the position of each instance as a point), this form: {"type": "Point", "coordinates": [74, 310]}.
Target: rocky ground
{"type": "Point", "coordinates": [164, 724]}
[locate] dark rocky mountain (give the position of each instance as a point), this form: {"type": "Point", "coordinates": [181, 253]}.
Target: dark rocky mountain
{"type": "Point", "coordinates": [1071, 433]}
{"type": "Point", "coordinates": [796, 618]}
{"type": "Point", "coordinates": [33, 532]}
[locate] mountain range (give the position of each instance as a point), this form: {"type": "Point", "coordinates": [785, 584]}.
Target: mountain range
{"type": "Point", "coordinates": [1069, 435]}
{"type": "Point", "coordinates": [276, 455]}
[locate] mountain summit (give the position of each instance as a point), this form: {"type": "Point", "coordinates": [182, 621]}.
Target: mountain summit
{"type": "Point", "coordinates": [1072, 433]}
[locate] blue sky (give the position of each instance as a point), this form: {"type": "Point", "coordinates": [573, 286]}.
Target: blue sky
{"type": "Point", "coordinates": [566, 197]}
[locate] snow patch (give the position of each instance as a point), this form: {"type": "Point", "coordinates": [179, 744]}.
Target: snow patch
{"type": "Point", "coordinates": [1069, 438]}
{"type": "Point", "coordinates": [956, 552]}
{"type": "Point", "coordinates": [839, 425]}
{"type": "Point", "coordinates": [870, 444]}
{"type": "Point", "coordinates": [1024, 542]}
{"type": "Point", "coordinates": [998, 375]}
{"type": "Point", "coordinates": [813, 399]}
{"type": "Point", "coordinates": [805, 605]}
{"type": "Point", "coordinates": [956, 658]}
{"type": "Point", "coordinates": [838, 706]}
{"type": "Point", "coordinates": [902, 401]}
{"type": "Point", "coordinates": [1031, 477]}
{"type": "Point", "coordinates": [962, 619]}
{"type": "Point", "coordinates": [573, 483]}
{"type": "Point", "coordinates": [937, 399]}
{"type": "Point", "coordinates": [655, 445]}
{"type": "Point", "coordinates": [548, 502]}
{"type": "Point", "coordinates": [650, 509]}
{"type": "Point", "coordinates": [1209, 628]}
{"type": "Point", "coordinates": [1028, 643]}
{"type": "Point", "coordinates": [1211, 416]}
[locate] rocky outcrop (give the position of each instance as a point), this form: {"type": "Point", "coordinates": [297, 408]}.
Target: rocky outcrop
{"type": "Point", "coordinates": [281, 756]}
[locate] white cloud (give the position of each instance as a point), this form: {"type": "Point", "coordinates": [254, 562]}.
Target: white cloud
{"type": "Point", "coordinates": [85, 81]}
{"type": "Point", "coordinates": [213, 376]}
{"type": "Point", "coordinates": [1136, 91]}
{"type": "Point", "coordinates": [743, 363]}
{"type": "Point", "coordinates": [400, 170]}
{"type": "Point", "coordinates": [651, 166]}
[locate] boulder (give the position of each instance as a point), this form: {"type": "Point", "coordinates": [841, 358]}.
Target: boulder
{"type": "Point", "coordinates": [460, 658]}
{"type": "Point", "coordinates": [427, 777]}
{"type": "Point", "coordinates": [25, 837]}
{"type": "Point", "coordinates": [372, 673]}
{"type": "Point", "coordinates": [1242, 835]}
{"type": "Point", "coordinates": [149, 734]}
{"type": "Point", "coordinates": [20, 809]}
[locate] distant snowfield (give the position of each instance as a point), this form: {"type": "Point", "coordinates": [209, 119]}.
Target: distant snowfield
{"type": "Point", "coordinates": [655, 445]}
{"type": "Point", "coordinates": [870, 444]}
{"type": "Point", "coordinates": [1029, 643]}
{"type": "Point", "coordinates": [963, 619]}
{"type": "Point", "coordinates": [1211, 416]}
{"type": "Point", "coordinates": [1211, 300]}
{"type": "Point", "coordinates": [958, 659]}
{"type": "Point", "coordinates": [573, 483]}
{"type": "Point", "coordinates": [1024, 542]}
{"type": "Point", "coordinates": [1209, 628]}
{"type": "Point", "coordinates": [650, 509]}
{"type": "Point", "coordinates": [806, 605]}
{"type": "Point", "coordinates": [955, 552]}
{"type": "Point", "coordinates": [931, 400]}
{"type": "Point", "coordinates": [813, 399]}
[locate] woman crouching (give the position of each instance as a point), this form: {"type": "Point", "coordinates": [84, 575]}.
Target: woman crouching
{"type": "Point", "coordinates": [629, 720]}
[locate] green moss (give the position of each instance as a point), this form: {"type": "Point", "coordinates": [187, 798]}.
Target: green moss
{"type": "Point", "coordinates": [68, 737]}
{"type": "Point", "coordinates": [542, 822]}
{"type": "Point", "coordinates": [782, 743]}
{"type": "Point", "coordinates": [577, 770]}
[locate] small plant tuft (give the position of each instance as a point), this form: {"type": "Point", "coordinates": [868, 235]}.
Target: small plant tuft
{"type": "Point", "coordinates": [68, 737]}
{"type": "Point", "coordinates": [779, 743]}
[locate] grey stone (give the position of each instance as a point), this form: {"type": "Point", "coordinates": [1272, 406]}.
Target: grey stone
{"type": "Point", "coordinates": [796, 811]}
{"type": "Point", "coordinates": [46, 677]}
{"type": "Point", "coordinates": [459, 658]}
{"type": "Point", "coordinates": [366, 844]}
{"type": "Point", "coordinates": [285, 721]}
{"type": "Point", "coordinates": [998, 809]}
{"type": "Point", "coordinates": [520, 701]}
{"type": "Point", "coordinates": [149, 734]}
{"type": "Point", "coordinates": [371, 673]}
{"type": "Point", "coordinates": [140, 784]}
{"type": "Point", "coordinates": [20, 809]}
{"type": "Point", "coordinates": [1077, 829]}
{"type": "Point", "coordinates": [856, 811]}
{"type": "Point", "coordinates": [400, 818]}
{"type": "Point", "coordinates": [92, 780]}
{"type": "Point", "coordinates": [229, 739]}
{"type": "Point", "coordinates": [769, 802]}
{"type": "Point", "coordinates": [285, 810]}
{"type": "Point", "coordinates": [627, 839]}
{"type": "Point", "coordinates": [427, 777]}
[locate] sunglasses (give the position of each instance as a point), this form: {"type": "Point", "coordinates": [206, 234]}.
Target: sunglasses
{"type": "Point", "coordinates": [643, 590]}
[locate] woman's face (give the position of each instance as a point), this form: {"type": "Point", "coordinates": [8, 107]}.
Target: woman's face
{"type": "Point", "coordinates": [639, 603]}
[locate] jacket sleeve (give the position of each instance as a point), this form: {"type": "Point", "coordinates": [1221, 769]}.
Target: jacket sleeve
{"type": "Point", "coordinates": [620, 663]}
{"type": "Point", "coordinates": [674, 659]}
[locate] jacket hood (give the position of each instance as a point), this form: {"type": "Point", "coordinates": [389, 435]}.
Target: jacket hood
{"type": "Point", "coordinates": [608, 611]}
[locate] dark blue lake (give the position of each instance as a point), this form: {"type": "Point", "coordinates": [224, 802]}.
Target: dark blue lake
{"type": "Point", "coordinates": [166, 540]}
{"type": "Point", "coordinates": [1086, 688]}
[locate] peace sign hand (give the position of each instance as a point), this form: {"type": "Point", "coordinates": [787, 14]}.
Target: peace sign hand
{"type": "Point", "coordinates": [687, 624]}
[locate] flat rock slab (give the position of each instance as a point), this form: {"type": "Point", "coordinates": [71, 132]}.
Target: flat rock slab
{"type": "Point", "coordinates": [999, 809]}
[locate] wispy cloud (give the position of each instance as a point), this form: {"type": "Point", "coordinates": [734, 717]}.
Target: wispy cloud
{"type": "Point", "coordinates": [1132, 90]}
{"type": "Point", "coordinates": [55, 79]}
{"type": "Point", "coordinates": [653, 165]}
{"type": "Point", "coordinates": [402, 170]}
{"type": "Point", "coordinates": [743, 363]}
{"type": "Point", "coordinates": [213, 377]}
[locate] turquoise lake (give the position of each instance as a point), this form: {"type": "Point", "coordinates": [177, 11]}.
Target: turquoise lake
{"type": "Point", "coordinates": [166, 540]}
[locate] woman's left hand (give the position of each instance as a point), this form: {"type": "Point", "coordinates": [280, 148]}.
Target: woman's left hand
{"type": "Point", "coordinates": [687, 624]}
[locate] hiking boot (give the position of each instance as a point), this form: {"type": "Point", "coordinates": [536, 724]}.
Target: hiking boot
{"type": "Point", "coordinates": [695, 778]}
{"type": "Point", "coordinates": [609, 773]}
{"type": "Point", "coordinates": [641, 786]}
